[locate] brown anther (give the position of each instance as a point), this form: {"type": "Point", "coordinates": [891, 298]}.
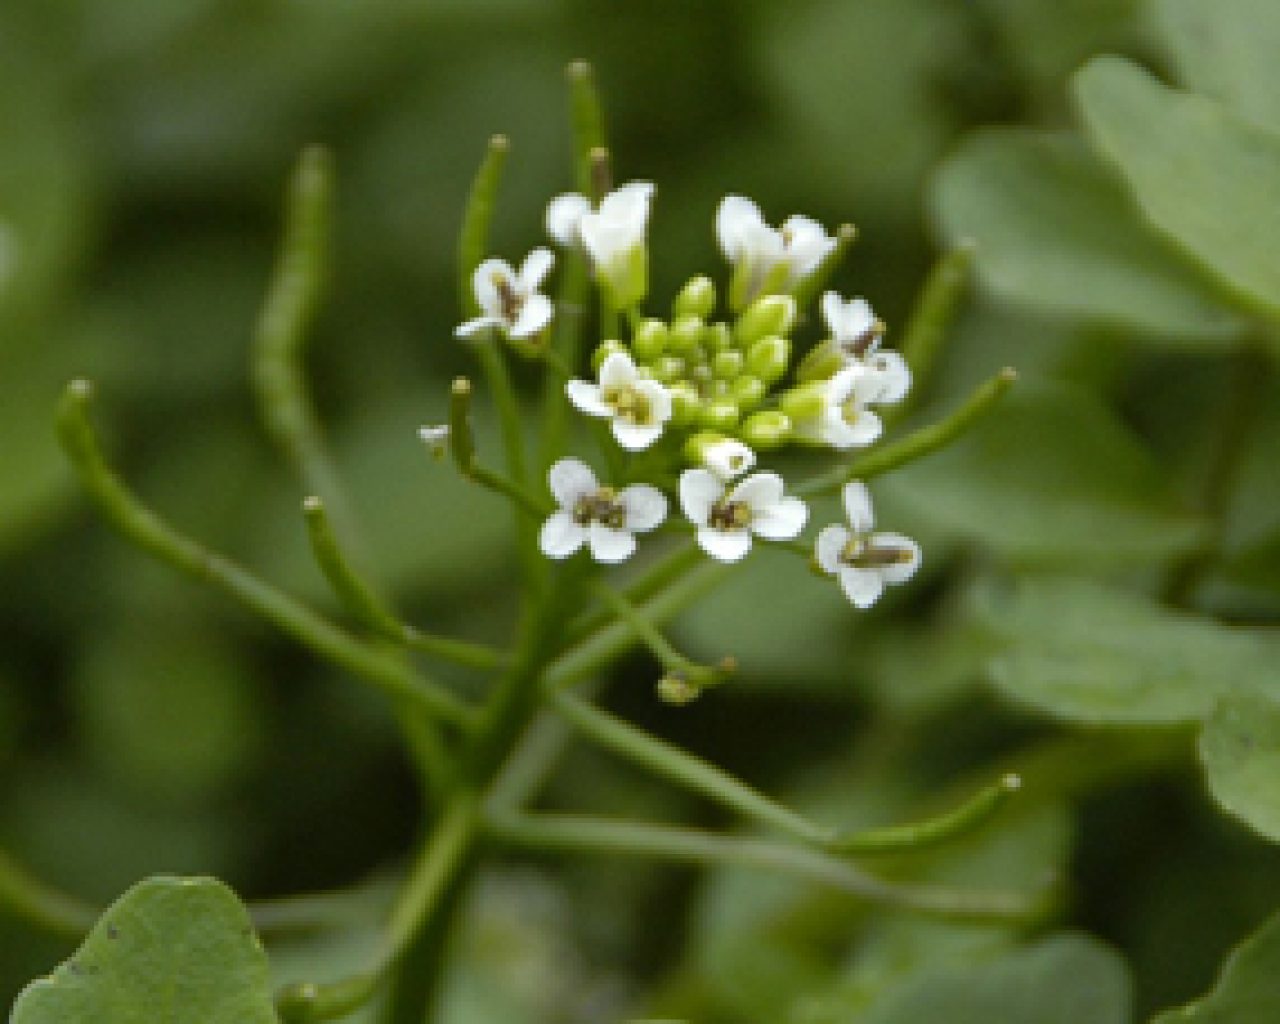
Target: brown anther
{"type": "Point", "coordinates": [867, 340]}
{"type": "Point", "coordinates": [511, 302]}
{"type": "Point", "coordinates": [730, 515]}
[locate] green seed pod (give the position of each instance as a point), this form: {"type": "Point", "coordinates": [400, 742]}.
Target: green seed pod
{"type": "Point", "coordinates": [604, 350]}
{"type": "Point", "coordinates": [803, 403]}
{"type": "Point", "coordinates": [766, 430]}
{"type": "Point", "coordinates": [769, 358]}
{"type": "Point", "coordinates": [720, 414]}
{"type": "Point", "coordinates": [773, 314]}
{"type": "Point", "coordinates": [717, 337]}
{"type": "Point", "coordinates": [650, 339]}
{"type": "Point", "coordinates": [696, 299]}
{"type": "Point", "coordinates": [728, 364]}
{"type": "Point", "coordinates": [685, 334]}
{"type": "Point", "coordinates": [667, 368]}
{"type": "Point", "coordinates": [820, 363]}
{"type": "Point", "coordinates": [685, 403]}
{"type": "Point", "coordinates": [747, 391]}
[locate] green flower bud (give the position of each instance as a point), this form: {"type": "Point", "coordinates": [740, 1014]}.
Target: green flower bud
{"type": "Point", "coordinates": [766, 430]}
{"type": "Point", "coordinates": [821, 363]}
{"type": "Point", "coordinates": [769, 358]}
{"type": "Point", "coordinates": [720, 414]}
{"type": "Point", "coordinates": [667, 368]}
{"type": "Point", "coordinates": [685, 403]}
{"type": "Point", "coordinates": [773, 314]}
{"type": "Point", "coordinates": [696, 299]}
{"type": "Point", "coordinates": [604, 350]}
{"type": "Point", "coordinates": [649, 340]}
{"type": "Point", "coordinates": [803, 403]}
{"type": "Point", "coordinates": [728, 364]}
{"type": "Point", "coordinates": [685, 334]}
{"type": "Point", "coordinates": [747, 391]}
{"type": "Point", "coordinates": [717, 337]}
{"type": "Point", "coordinates": [695, 448]}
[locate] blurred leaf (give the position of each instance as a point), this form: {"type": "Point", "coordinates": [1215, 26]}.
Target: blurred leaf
{"type": "Point", "coordinates": [1246, 992]}
{"type": "Point", "coordinates": [1051, 477]}
{"type": "Point", "coordinates": [178, 950]}
{"type": "Point", "coordinates": [1227, 50]}
{"type": "Point", "coordinates": [1088, 653]}
{"type": "Point", "coordinates": [1240, 749]}
{"type": "Point", "coordinates": [1207, 180]}
{"type": "Point", "coordinates": [1063, 979]}
{"type": "Point", "coordinates": [1054, 231]}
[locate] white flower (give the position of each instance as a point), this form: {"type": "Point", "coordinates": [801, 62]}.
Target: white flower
{"type": "Point", "coordinates": [638, 407]}
{"type": "Point", "coordinates": [510, 301]}
{"type": "Point", "coordinates": [613, 235]}
{"type": "Point", "coordinates": [600, 517]}
{"type": "Point", "coordinates": [864, 562]}
{"type": "Point", "coordinates": [765, 255]}
{"type": "Point", "coordinates": [728, 458]}
{"type": "Point", "coordinates": [435, 438]}
{"type": "Point", "coordinates": [857, 333]}
{"type": "Point", "coordinates": [845, 420]}
{"type": "Point", "coordinates": [726, 520]}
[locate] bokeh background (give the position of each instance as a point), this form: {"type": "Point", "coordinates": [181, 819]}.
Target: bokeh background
{"type": "Point", "coordinates": [147, 725]}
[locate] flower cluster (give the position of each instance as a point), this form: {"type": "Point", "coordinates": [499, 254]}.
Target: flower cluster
{"type": "Point", "coordinates": [710, 393]}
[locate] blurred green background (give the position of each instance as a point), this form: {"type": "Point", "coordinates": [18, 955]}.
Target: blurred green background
{"type": "Point", "coordinates": [146, 725]}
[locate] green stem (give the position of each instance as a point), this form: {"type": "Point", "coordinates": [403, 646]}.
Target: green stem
{"type": "Point", "coordinates": [587, 118]}
{"type": "Point", "coordinates": [623, 838]}
{"type": "Point", "coordinates": [657, 577]}
{"type": "Point", "coordinates": [933, 316]}
{"type": "Point", "coordinates": [659, 646]}
{"type": "Point", "coordinates": [924, 441]}
{"type": "Point", "coordinates": [34, 901]}
{"type": "Point", "coordinates": [510, 419]}
{"type": "Point", "coordinates": [149, 532]}
{"type": "Point", "coordinates": [473, 238]}
{"type": "Point", "coordinates": [354, 593]}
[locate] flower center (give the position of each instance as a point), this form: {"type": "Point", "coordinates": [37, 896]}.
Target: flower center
{"type": "Point", "coordinates": [861, 554]}
{"type": "Point", "coordinates": [730, 515]}
{"type": "Point", "coordinates": [508, 298]}
{"type": "Point", "coordinates": [860, 344]}
{"type": "Point", "coordinates": [600, 506]}
{"type": "Point", "coordinates": [629, 404]}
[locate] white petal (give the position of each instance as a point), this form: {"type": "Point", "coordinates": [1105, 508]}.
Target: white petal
{"type": "Point", "coordinates": [861, 586]}
{"type": "Point", "coordinates": [728, 458]}
{"type": "Point", "coordinates": [724, 545]}
{"type": "Point", "coordinates": [563, 214]}
{"type": "Point", "coordinates": [737, 219]}
{"type": "Point", "coordinates": [833, 312]}
{"type": "Point", "coordinates": [781, 521]}
{"type": "Point", "coordinates": [484, 284]}
{"type": "Point", "coordinates": [761, 491]}
{"type": "Point", "coordinates": [893, 375]}
{"type": "Point", "coordinates": [480, 323]}
{"type": "Point", "coordinates": [857, 506]}
{"type": "Point", "coordinates": [830, 545]}
{"type": "Point", "coordinates": [635, 437]}
{"type": "Point", "coordinates": [569, 480]}
{"type": "Point", "coordinates": [561, 536]}
{"type": "Point", "coordinates": [699, 490]}
{"type": "Point", "coordinates": [659, 399]}
{"type": "Point", "coordinates": [645, 507]}
{"type": "Point", "coordinates": [535, 314]}
{"type": "Point", "coordinates": [808, 245]}
{"type": "Point", "coordinates": [838, 432]}
{"type": "Point", "coordinates": [618, 371]}
{"type": "Point", "coordinates": [536, 266]}
{"type": "Point", "coordinates": [611, 546]}
{"type": "Point", "coordinates": [628, 206]}
{"type": "Point", "coordinates": [899, 572]}
{"type": "Point", "coordinates": [587, 397]}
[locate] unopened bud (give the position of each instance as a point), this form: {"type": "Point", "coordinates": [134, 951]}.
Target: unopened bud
{"type": "Point", "coordinates": [720, 414]}
{"type": "Point", "coordinates": [685, 334]}
{"type": "Point", "coordinates": [649, 340]}
{"type": "Point", "coordinates": [685, 403]}
{"type": "Point", "coordinates": [696, 299]}
{"type": "Point", "coordinates": [822, 362]}
{"type": "Point", "coordinates": [747, 391]}
{"type": "Point", "coordinates": [604, 350]}
{"type": "Point", "coordinates": [674, 688]}
{"type": "Point", "coordinates": [772, 314]}
{"type": "Point", "coordinates": [667, 368]}
{"type": "Point", "coordinates": [766, 430]}
{"type": "Point", "coordinates": [728, 364]}
{"type": "Point", "coordinates": [717, 337]}
{"type": "Point", "coordinates": [805, 402]}
{"type": "Point", "coordinates": [769, 358]}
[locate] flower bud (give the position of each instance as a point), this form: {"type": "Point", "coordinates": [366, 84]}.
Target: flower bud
{"type": "Point", "coordinates": [769, 358]}
{"type": "Point", "coordinates": [728, 364]}
{"type": "Point", "coordinates": [803, 403]}
{"type": "Point", "coordinates": [820, 363]}
{"type": "Point", "coordinates": [685, 403]}
{"type": "Point", "coordinates": [766, 430]}
{"type": "Point", "coordinates": [717, 337]}
{"type": "Point", "coordinates": [604, 350]}
{"type": "Point", "coordinates": [649, 340]}
{"type": "Point", "coordinates": [747, 391]}
{"type": "Point", "coordinates": [720, 414]}
{"type": "Point", "coordinates": [696, 299]}
{"type": "Point", "coordinates": [667, 368]}
{"type": "Point", "coordinates": [676, 689]}
{"type": "Point", "coordinates": [726, 457]}
{"type": "Point", "coordinates": [773, 314]}
{"type": "Point", "coordinates": [685, 334]}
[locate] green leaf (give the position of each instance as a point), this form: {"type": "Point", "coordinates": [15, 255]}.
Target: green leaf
{"type": "Point", "coordinates": [1207, 180]}
{"type": "Point", "coordinates": [1240, 750]}
{"type": "Point", "coordinates": [1051, 478]}
{"type": "Point", "coordinates": [1055, 231]}
{"type": "Point", "coordinates": [1247, 991]}
{"type": "Point", "coordinates": [1064, 979]}
{"type": "Point", "coordinates": [1082, 651]}
{"type": "Point", "coordinates": [171, 949]}
{"type": "Point", "coordinates": [1227, 49]}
